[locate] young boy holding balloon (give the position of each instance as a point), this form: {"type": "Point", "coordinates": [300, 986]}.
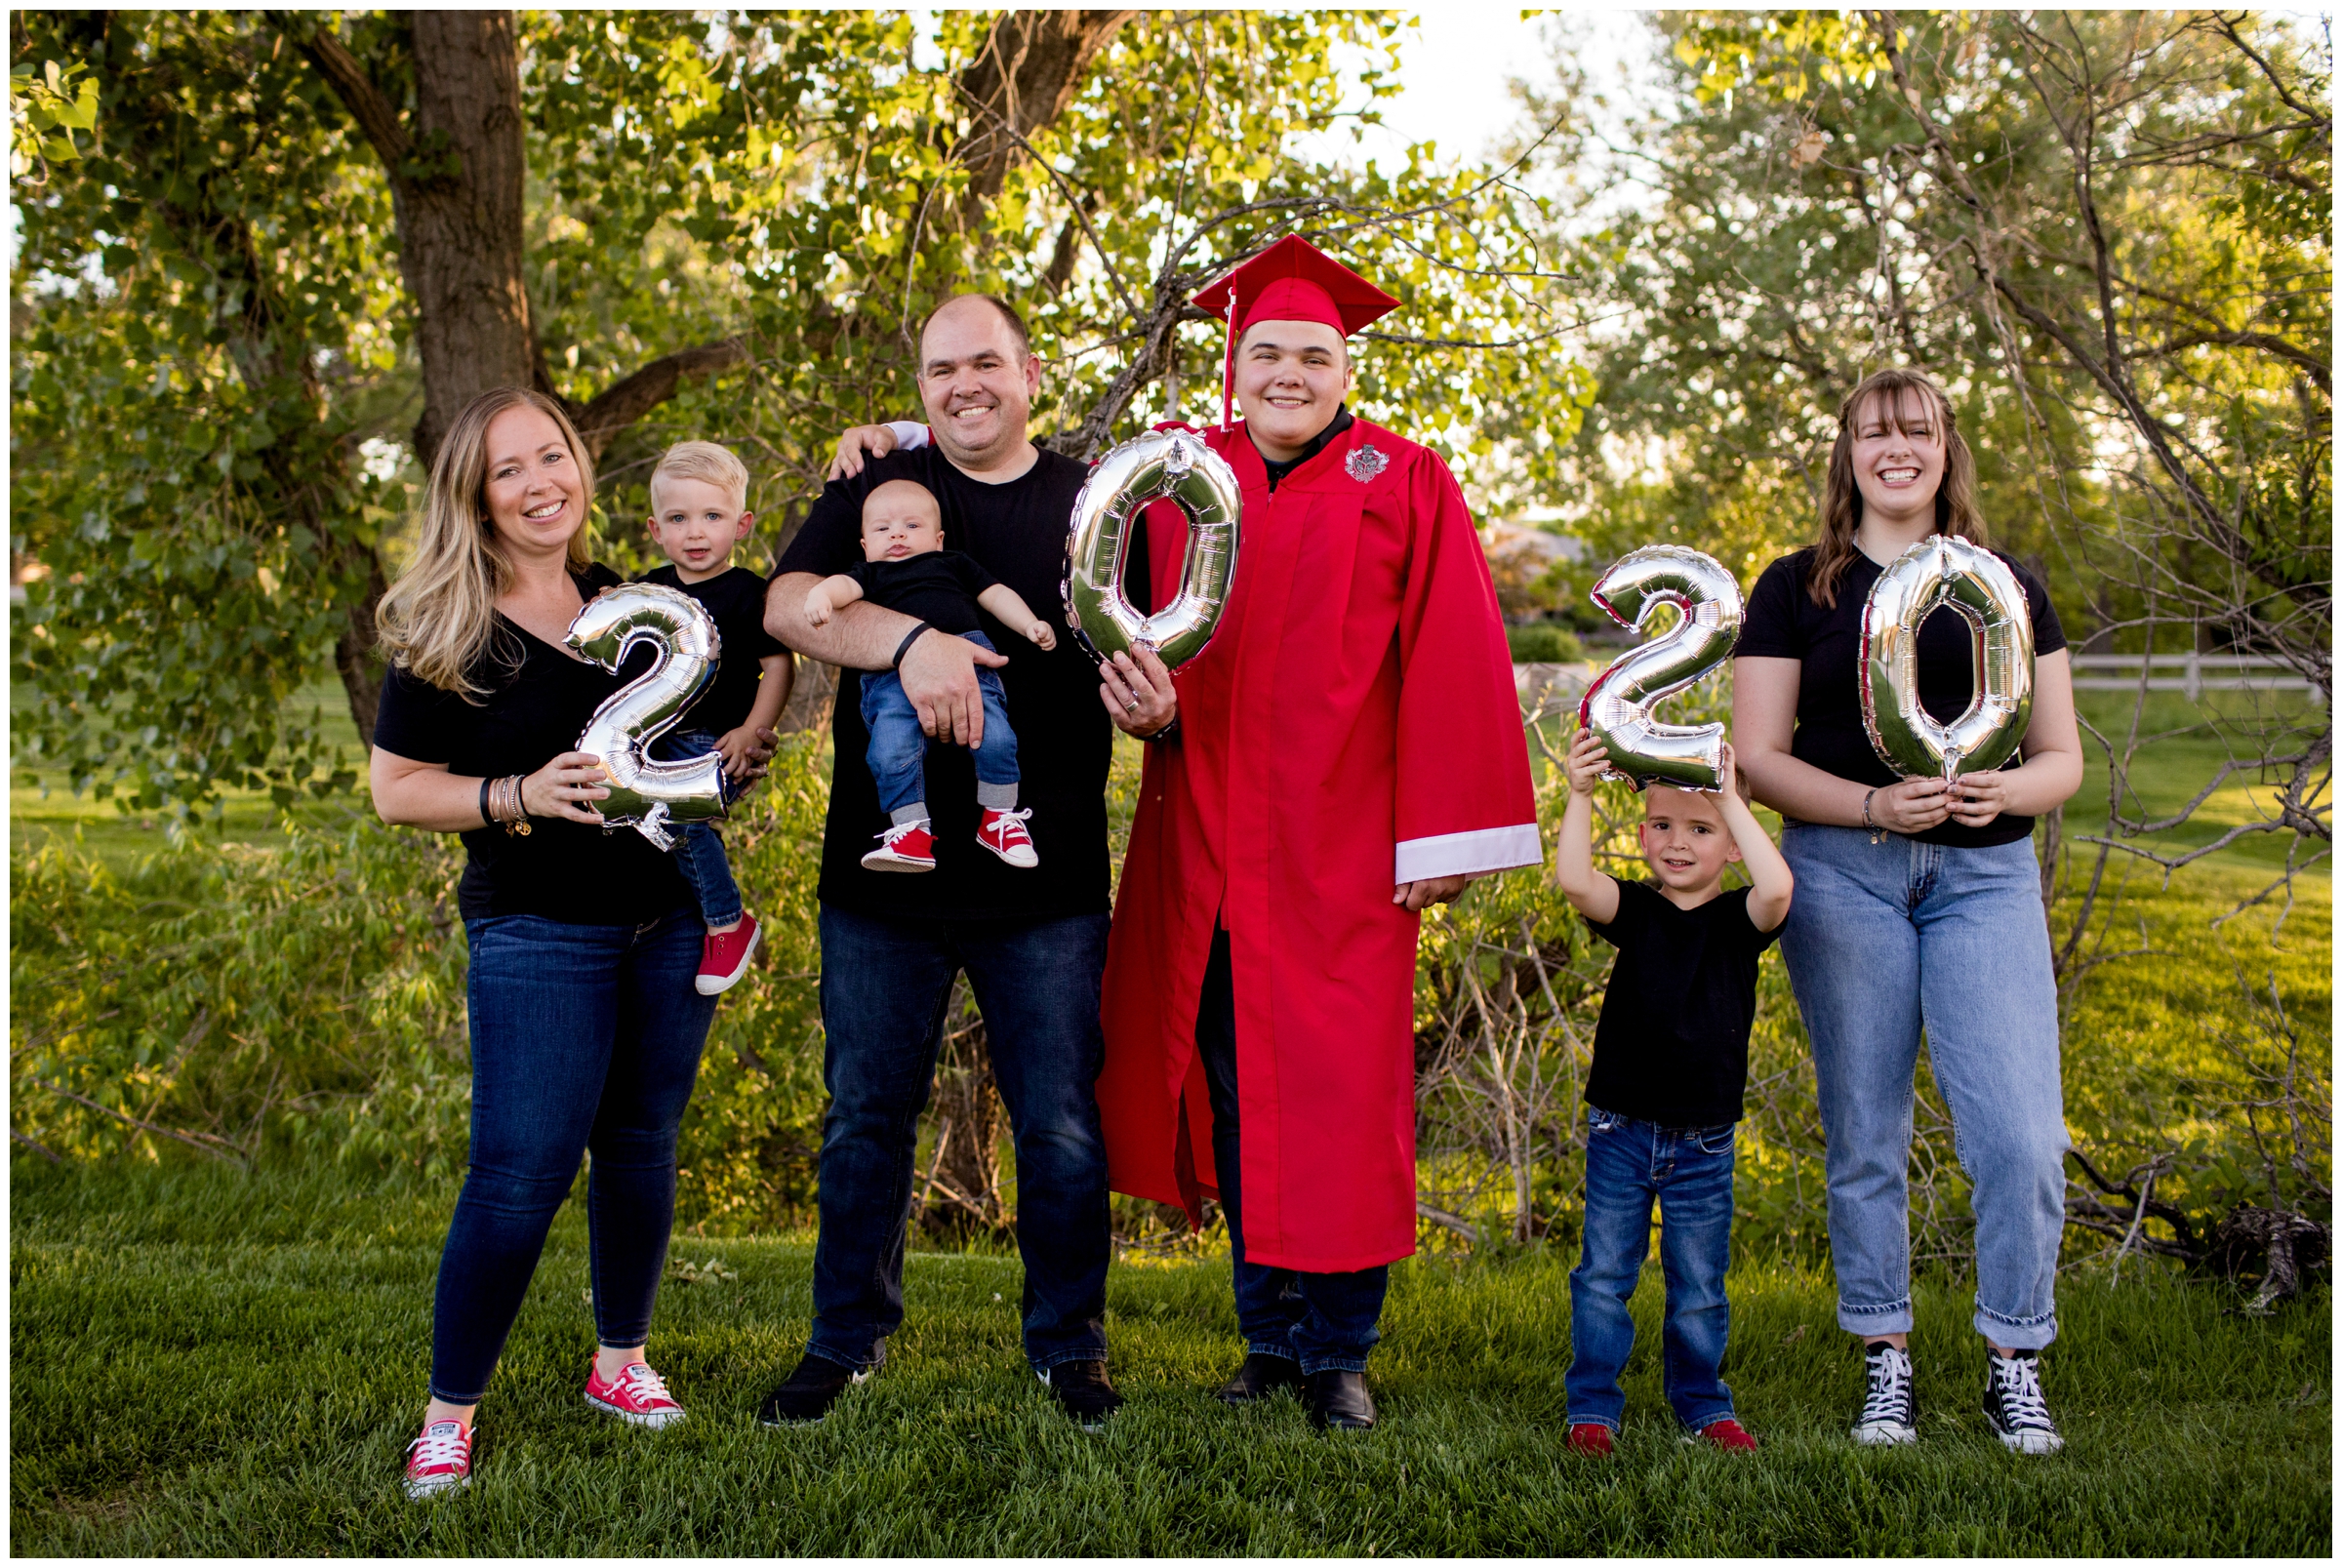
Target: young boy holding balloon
{"type": "Point", "coordinates": [1671, 1061]}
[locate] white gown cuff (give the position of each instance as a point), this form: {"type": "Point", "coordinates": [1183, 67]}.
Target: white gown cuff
{"type": "Point", "coordinates": [909, 435]}
{"type": "Point", "coordinates": [1485, 849]}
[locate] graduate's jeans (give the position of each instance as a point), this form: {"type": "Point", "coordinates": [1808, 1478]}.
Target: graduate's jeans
{"type": "Point", "coordinates": [583, 1037]}
{"type": "Point", "coordinates": [1688, 1172]}
{"type": "Point", "coordinates": [885, 985]}
{"type": "Point", "coordinates": [699, 850]}
{"type": "Point", "coordinates": [898, 749]}
{"type": "Point", "coordinates": [1883, 940]}
{"type": "Point", "coordinates": [1327, 1323]}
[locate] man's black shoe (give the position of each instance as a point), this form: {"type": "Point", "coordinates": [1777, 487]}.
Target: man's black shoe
{"type": "Point", "coordinates": [809, 1392]}
{"type": "Point", "coordinates": [1080, 1386]}
{"type": "Point", "coordinates": [1340, 1400]}
{"type": "Point", "coordinates": [1260, 1378]}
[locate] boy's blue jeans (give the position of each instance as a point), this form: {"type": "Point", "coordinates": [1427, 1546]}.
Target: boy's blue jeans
{"type": "Point", "coordinates": [1688, 1171]}
{"type": "Point", "coordinates": [898, 749]}
{"type": "Point", "coordinates": [699, 850]}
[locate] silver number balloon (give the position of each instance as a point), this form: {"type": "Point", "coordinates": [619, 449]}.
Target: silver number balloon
{"type": "Point", "coordinates": [1618, 705]}
{"type": "Point", "coordinates": [648, 795]}
{"type": "Point", "coordinates": [1157, 464]}
{"type": "Point", "coordinates": [1947, 572]}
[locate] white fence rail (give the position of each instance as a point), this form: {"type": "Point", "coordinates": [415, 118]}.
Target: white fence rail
{"type": "Point", "coordinates": [2191, 673]}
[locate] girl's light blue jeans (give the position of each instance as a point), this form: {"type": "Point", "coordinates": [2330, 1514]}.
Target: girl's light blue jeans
{"type": "Point", "coordinates": [1887, 939]}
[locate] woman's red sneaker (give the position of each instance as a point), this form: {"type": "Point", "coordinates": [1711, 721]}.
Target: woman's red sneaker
{"type": "Point", "coordinates": [438, 1461]}
{"type": "Point", "coordinates": [638, 1396]}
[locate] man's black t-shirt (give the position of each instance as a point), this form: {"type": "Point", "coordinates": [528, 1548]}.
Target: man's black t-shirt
{"type": "Point", "coordinates": [1784, 623]}
{"type": "Point", "coordinates": [1672, 1045]}
{"type": "Point", "coordinates": [538, 705]}
{"type": "Point", "coordinates": [938, 587]}
{"type": "Point", "coordinates": [1016, 531]}
{"type": "Point", "coordinates": [735, 599]}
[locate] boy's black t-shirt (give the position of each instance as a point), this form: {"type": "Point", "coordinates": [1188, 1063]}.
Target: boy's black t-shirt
{"type": "Point", "coordinates": [735, 599]}
{"type": "Point", "coordinates": [937, 586]}
{"type": "Point", "coordinates": [1672, 1046]}
{"type": "Point", "coordinates": [538, 701]}
{"type": "Point", "coordinates": [1016, 531]}
{"type": "Point", "coordinates": [1784, 623]}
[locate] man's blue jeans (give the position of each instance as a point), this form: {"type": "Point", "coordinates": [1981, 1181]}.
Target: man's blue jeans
{"type": "Point", "coordinates": [898, 749]}
{"type": "Point", "coordinates": [1327, 1323]}
{"type": "Point", "coordinates": [583, 1037]}
{"type": "Point", "coordinates": [1884, 940]}
{"type": "Point", "coordinates": [699, 850]}
{"type": "Point", "coordinates": [1688, 1172]}
{"type": "Point", "coordinates": [886, 983]}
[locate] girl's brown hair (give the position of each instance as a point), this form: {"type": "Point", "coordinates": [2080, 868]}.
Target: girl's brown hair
{"type": "Point", "coordinates": [1956, 510]}
{"type": "Point", "coordinates": [439, 617]}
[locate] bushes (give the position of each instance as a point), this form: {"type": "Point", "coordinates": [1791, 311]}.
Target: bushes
{"type": "Point", "coordinates": [1542, 642]}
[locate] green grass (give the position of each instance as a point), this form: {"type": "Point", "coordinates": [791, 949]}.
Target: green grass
{"type": "Point", "coordinates": [206, 1362]}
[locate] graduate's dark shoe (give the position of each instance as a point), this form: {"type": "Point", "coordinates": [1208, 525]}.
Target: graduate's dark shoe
{"type": "Point", "coordinates": [1081, 1389]}
{"type": "Point", "coordinates": [1260, 1378]}
{"type": "Point", "coordinates": [809, 1392]}
{"type": "Point", "coordinates": [1339, 1400]}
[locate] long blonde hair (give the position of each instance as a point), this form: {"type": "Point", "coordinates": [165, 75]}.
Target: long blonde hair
{"type": "Point", "coordinates": [1955, 509]}
{"type": "Point", "coordinates": [439, 618]}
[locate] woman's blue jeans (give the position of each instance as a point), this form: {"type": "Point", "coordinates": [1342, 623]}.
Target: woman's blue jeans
{"type": "Point", "coordinates": [582, 1038]}
{"type": "Point", "coordinates": [1887, 939]}
{"type": "Point", "coordinates": [1688, 1172]}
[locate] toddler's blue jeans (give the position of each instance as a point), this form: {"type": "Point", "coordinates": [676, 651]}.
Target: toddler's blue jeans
{"type": "Point", "coordinates": [699, 848]}
{"type": "Point", "coordinates": [1688, 1172]}
{"type": "Point", "coordinates": [898, 749]}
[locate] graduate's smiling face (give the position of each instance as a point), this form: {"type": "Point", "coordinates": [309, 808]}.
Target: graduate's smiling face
{"type": "Point", "coordinates": [1684, 839]}
{"type": "Point", "coordinates": [1291, 376]}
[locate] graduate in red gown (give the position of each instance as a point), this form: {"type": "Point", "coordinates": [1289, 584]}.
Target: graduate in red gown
{"type": "Point", "coordinates": [1346, 751]}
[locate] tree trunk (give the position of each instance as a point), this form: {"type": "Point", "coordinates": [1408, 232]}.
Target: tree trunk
{"type": "Point", "coordinates": [353, 657]}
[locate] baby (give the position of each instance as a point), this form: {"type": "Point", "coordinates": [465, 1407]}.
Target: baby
{"type": "Point", "coordinates": [905, 568]}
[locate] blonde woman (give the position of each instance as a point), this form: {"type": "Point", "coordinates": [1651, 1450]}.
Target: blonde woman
{"type": "Point", "coordinates": [585, 1024]}
{"type": "Point", "coordinates": [1918, 906]}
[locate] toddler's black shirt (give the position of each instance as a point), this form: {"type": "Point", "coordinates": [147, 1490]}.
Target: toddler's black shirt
{"type": "Point", "coordinates": [735, 599]}
{"type": "Point", "coordinates": [1672, 1043]}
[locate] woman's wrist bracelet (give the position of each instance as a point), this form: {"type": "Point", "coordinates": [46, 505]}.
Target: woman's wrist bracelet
{"type": "Point", "coordinates": [487, 820]}
{"type": "Point", "coordinates": [1867, 820]}
{"type": "Point", "coordinates": [910, 637]}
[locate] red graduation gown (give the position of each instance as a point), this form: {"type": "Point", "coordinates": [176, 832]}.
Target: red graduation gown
{"type": "Point", "coordinates": [1353, 725]}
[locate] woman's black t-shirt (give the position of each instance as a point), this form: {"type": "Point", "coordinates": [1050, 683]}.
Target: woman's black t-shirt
{"type": "Point", "coordinates": [1784, 623]}
{"type": "Point", "coordinates": [538, 701]}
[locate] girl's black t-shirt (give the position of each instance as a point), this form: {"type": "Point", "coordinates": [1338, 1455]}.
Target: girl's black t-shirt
{"type": "Point", "coordinates": [538, 705]}
{"type": "Point", "coordinates": [1784, 623]}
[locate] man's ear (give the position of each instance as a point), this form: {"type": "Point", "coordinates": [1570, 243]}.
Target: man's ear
{"type": "Point", "coordinates": [1032, 375]}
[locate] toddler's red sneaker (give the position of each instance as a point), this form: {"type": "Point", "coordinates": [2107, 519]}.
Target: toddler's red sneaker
{"type": "Point", "coordinates": [1003, 833]}
{"type": "Point", "coordinates": [1590, 1437]}
{"type": "Point", "coordinates": [638, 1396]}
{"type": "Point", "coordinates": [1729, 1436]}
{"type": "Point", "coordinates": [439, 1461]}
{"type": "Point", "coordinates": [724, 957]}
{"type": "Point", "coordinates": [906, 848]}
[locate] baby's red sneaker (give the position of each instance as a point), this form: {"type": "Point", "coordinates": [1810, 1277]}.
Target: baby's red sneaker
{"type": "Point", "coordinates": [724, 957]}
{"type": "Point", "coordinates": [439, 1461]}
{"type": "Point", "coordinates": [636, 1395]}
{"type": "Point", "coordinates": [907, 847]}
{"type": "Point", "coordinates": [1590, 1437]}
{"type": "Point", "coordinates": [1003, 833]}
{"type": "Point", "coordinates": [1729, 1436]}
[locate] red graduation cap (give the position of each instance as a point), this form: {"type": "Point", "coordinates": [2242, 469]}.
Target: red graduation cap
{"type": "Point", "coordinates": [1291, 280]}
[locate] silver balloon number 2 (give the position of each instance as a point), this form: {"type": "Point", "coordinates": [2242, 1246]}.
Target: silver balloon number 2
{"type": "Point", "coordinates": [1618, 705]}
{"type": "Point", "coordinates": [645, 795]}
{"type": "Point", "coordinates": [1947, 572]}
{"type": "Point", "coordinates": [1161, 464]}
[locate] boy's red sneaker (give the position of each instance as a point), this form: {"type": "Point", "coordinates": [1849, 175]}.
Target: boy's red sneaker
{"type": "Point", "coordinates": [1003, 833]}
{"type": "Point", "coordinates": [1590, 1437]}
{"type": "Point", "coordinates": [636, 1395]}
{"type": "Point", "coordinates": [438, 1461]}
{"type": "Point", "coordinates": [724, 957]}
{"type": "Point", "coordinates": [907, 847]}
{"type": "Point", "coordinates": [1729, 1436]}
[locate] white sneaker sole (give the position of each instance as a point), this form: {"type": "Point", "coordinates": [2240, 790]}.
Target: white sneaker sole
{"type": "Point", "coordinates": [436, 1486]}
{"type": "Point", "coordinates": [635, 1417]}
{"type": "Point", "coordinates": [1021, 857]}
{"type": "Point", "coordinates": [2030, 1442]}
{"type": "Point", "coordinates": [1881, 1434]}
{"type": "Point", "coordinates": [876, 861]}
{"type": "Point", "coordinates": [718, 984]}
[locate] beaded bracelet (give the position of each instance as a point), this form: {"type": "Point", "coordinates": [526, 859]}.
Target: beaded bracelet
{"type": "Point", "coordinates": [1878, 833]}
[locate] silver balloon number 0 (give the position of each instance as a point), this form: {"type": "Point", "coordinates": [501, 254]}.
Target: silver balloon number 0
{"type": "Point", "coordinates": [1159, 464]}
{"type": "Point", "coordinates": [1947, 572]}
{"type": "Point", "coordinates": [646, 795]}
{"type": "Point", "coordinates": [1618, 705]}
